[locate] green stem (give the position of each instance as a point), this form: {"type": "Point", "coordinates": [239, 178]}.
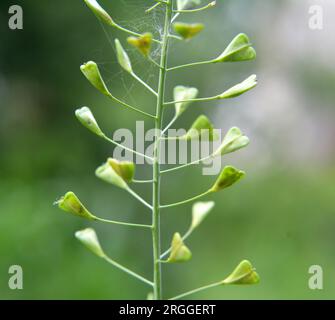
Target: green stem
{"type": "Point", "coordinates": [126, 270]}
{"type": "Point", "coordinates": [123, 223]}
{"type": "Point", "coordinates": [124, 104]}
{"type": "Point", "coordinates": [139, 198]}
{"type": "Point", "coordinates": [142, 181]}
{"type": "Point", "coordinates": [191, 65]}
{"type": "Point", "coordinates": [144, 83]}
{"type": "Point", "coordinates": [174, 119]}
{"type": "Point", "coordinates": [209, 5]}
{"type": "Point", "coordinates": [126, 148]}
{"type": "Point", "coordinates": [156, 237]}
{"type": "Point", "coordinates": [187, 201]}
{"type": "Point", "coordinates": [187, 164]}
{"type": "Point", "coordinates": [193, 100]}
{"type": "Point", "coordinates": [183, 295]}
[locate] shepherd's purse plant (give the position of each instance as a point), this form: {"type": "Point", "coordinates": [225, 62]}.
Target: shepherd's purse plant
{"type": "Point", "coordinates": [121, 173]}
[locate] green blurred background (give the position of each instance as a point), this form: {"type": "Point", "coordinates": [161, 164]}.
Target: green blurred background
{"type": "Point", "coordinates": [281, 217]}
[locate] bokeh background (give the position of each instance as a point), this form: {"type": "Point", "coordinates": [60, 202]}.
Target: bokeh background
{"type": "Point", "coordinates": [281, 217]}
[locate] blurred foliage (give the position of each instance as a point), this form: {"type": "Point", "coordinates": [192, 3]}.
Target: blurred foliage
{"type": "Point", "coordinates": [280, 217]}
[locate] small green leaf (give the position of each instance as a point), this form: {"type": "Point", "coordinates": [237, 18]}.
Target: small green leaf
{"type": "Point", "coordinates": [238, 50]}
{"type": "Point", "coordinates": [86, 118]}
{"type": "Point", "coordinates": [240, 88]}
{"type": "Point", "coordinates": [142, 43]}
{"type": "Point", "coordinates": [187, 4]}
{"type": "Point", "coordinates": [116, 172]}
{"type": "Point", "coordinates": [188, 30]}
{"type": "Point", "coordinates": [179, 251]}
{"type": "Point", "coordinates": [182, 93]}
{"type": "Point", "coordinates": [201, 128]}
{"type": "Point", "coordinates": [89, 239]}
{"type": "Point", "coordinates": [122, 57]}
{"type": "Point", "coordinates": [100, 12]}
{"type": "Point", "coordinates": [93, 75]}
{"type": "Point", "coordinates": [227, 178]}
{"type": "Point", "coordinates": [71, 204]}
{"type": "Point", "coordinates": [233, 141]}
{"type": "Point", "coordinates": [200, 211]}
{"type": "Point", "coordinates": [243, 274]}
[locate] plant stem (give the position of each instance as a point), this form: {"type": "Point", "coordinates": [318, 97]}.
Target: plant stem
{"type": "Point", "coordinates": [139, 198]}
{"type": "Point", "coordinates": [213, 285]}
{"type": "Point", "coordinates": [193, 100]}
{"type": "Point", "coordinates": [126, 270]}
{"type": "Point", "coordinates": [191, 65]}
{"type": "Point", "coordinates": [187, 164]}
{"type": "Point", "coordinates": [187, 201]}
{"type": "Point", "coordinates": [144, 83]}
{"type": "Point", "coordinates": [124, 223]}
{"type": "Point", "coordinates": [209, 5]}
{"type": "Point", "coordinates": [156, 237]}
{"type": "Point", "coordinates": [126, 148]}
{"type": "Point", "coordinates": [124, 104]}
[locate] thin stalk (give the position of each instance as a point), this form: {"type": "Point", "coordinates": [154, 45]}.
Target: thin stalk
{"type": "Point", "coordinates": [124, 104]}
{"type": "Point", "coordinates": [144, 84]}
{"type": "Point", "coordinates": [191, 65]}
{"type": "Point", "coordinates": [187, 200]}
{"type": "Point", "coordinates": [174, 119]}
{"type": "Point", "coordinates": [153, 7]}
{"type": "Point", "coordinates": [193, 100]}
{"type": "Point", "coordinates": [156, 236]}
{"type": "Point", "coordinates": [209, 5]}
{"type": "Point", "coordinates": [123, 223]}
{"type": "Point", "coordinates": [142, 181]}
{"type": "Point", "coordinates": [183, 295]}
{"type": "Point", "coordinates": [126, 148]}
{"type": "Point", "coordinates": [126, 270]}
{"type": "Point", "coordinates": [187, 164]}
{"type": "Point", "coordinates": [139, 198]}
{"type": "Point", "coordinates": [175, 17]}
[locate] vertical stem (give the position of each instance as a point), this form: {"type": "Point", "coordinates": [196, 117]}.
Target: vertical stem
{"type": "Point", "coordinates": [156, 237]}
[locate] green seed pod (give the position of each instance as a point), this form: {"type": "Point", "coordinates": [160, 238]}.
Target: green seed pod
{"type": "Point", "coordinates": [93, 75]}
{"type": "Point", "coordinates": [142, 43]}
{"type": "Point", "coordinates": [125, 169]}
{"type": "Point", "coordinates": [123, 57]}
{"type": "Point", "coordinates": [240, 88]}
{"type": "Point", "coordinates": [233, 141]}
{"type": "Point", "coordinates": [116, 172]}
{"type": "Point", "coordinates": [89, 239]}
{"type": "Point", "coordinates": [188, 30]}
{"type": "Point", "coordinates": [179, 251]}
{"type": "Point", "coordinates": [201, 128]}
{"type": "Point", "coordinates": [243, 274]}
{"type": "Point", "coordinates": [100, 12]}
{"type": "Point", "coordinates": [71, 204]}
{"type": "Point", "coordinates": [238, 50]}
{"type": "Point", "coordinates": [86, 118]}
{"type": "Point", "coordinates": [182, 93]}
{"type": "Point", "coordinates": [227, 178]}
{"type": "Point", "coordinates": [200, 211]}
